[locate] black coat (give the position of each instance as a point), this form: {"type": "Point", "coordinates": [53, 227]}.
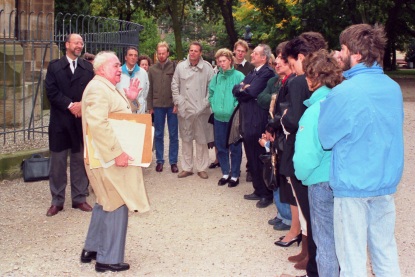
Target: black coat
{"type": "Point", "coordinates": [62, 88]}
{"type": "Point", "coordinates": [295, 93]}
{"type": "Point", "coordinates": [253, 117]}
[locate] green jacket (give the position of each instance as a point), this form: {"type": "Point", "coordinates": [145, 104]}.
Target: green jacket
{"type": "Point", "coordinates": [273, 86]}
{"type": "Point", "coordinates": [221, 99]}
{"type": "Point", "coordinates": [311, 161]}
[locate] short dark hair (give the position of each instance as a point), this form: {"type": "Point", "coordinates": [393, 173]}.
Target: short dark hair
{"type": "Point", "coordinates": [89, 56]}
{"type": "Point", "coordinates": [366, 40]}
{"type": "Point", "coordinates": [130, 48]}
{"type": "Point", "coordinates": [197, 44]}
{"type": "Point", "coordinates": [321, 68]}
{"type": "Point", "coordinates": [305, 44]}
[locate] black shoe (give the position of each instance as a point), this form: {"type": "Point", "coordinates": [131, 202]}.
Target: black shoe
{"type": "Point", "coordinates": [223, 181]}
{"type": "Point", "coordinates": [274, 221]}
{"type": "Point", "coordinates": [252, 196]}
{"type": "Point", "coordinates": [214, 165]}
{"type": "Point", "coordinates": [88, 256]}
{"type": "Point", "coordinates": [296, 239]}
{"type": "Point", "coordinates": [248, 176]}
{"type": "Point", "coordinates": [264, 202]}
{"type": "Point", "coordinates": [233, 183]}
{"type": "Point", "coordinates": [111, 267]}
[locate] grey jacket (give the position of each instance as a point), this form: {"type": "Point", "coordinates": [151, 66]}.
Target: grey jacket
{"type": "Point", "coordinates": [190, 94]}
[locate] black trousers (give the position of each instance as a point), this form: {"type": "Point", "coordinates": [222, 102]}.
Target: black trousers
{"type": "Point", "coordinates": [302, 197]}
{"type": "Point", "coordinates": [252, 150]}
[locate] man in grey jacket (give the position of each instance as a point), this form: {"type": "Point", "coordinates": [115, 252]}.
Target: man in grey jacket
{"type": "Point", "coordinates": [190, 95]}
{"type": "Point", "coordinates": [160, 104]}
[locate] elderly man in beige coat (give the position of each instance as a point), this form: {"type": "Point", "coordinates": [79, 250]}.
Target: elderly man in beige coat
{"type": "Point", "coordinates": [190, 94]}
{"type": "Point", "coordinates": [119, 187]}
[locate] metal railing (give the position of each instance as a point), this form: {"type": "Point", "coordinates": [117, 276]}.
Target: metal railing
{"type": "Point", "coordinates": [28, 41]}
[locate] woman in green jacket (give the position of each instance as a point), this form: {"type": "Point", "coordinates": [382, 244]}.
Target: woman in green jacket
{"type": "Point", "coordinates": [223, 103]}
{"type": "Point", "coordinates": [312, 162]}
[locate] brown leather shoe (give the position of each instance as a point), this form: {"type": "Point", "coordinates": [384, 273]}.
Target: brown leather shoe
{"type": "Point", "coordinates": [174, 168]}
{"type": "Point", "coordinates": [83, 207]}
{"type": "Point", "coordinates": [53, 210]}
{"type": "Point", "coordinates": [203, 175]}
{"type": "Point", "coordinates": [159, 167]}
{"type": "Point", "coordinates": [184, 174]}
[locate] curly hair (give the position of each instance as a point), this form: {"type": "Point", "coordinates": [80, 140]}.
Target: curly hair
{"type": "Point", "coordinates": [322, 69]}
{"type": "Point", "coordinates": [224, 52]}
{"type": "Point", "coordinates": [366, 40]}
{"type": "Point", "coordinates": [144, 57]}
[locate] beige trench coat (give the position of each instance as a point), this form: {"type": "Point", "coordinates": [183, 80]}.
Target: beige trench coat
{"type": "Point", "coordinates": [190, 94]}
{"type": "Point", "coordinates": [113, 186]}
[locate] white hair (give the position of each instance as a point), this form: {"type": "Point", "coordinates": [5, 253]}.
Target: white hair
{"type": "Point", "coordinates": [101, 58]}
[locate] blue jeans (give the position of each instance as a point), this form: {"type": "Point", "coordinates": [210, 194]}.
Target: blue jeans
{"type": "Point", "coordinates": [159, 123]}
{"type": "Point", "coordinates": [284, 210]}
{"type": "Point", "coordinates": [321, 201]}
{"type": "Point", "coordinates": [361, 224]}
{"type": "Point", "coordinates": [234, 165]}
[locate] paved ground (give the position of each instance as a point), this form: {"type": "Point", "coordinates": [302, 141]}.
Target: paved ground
{"type": "Point", "coordinates": [195, 228]}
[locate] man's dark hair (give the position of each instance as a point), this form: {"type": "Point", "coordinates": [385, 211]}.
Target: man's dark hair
{"type": "Point", "coordinates": [197, 44]}
{"type": "Point", "coordinates": [305, 44]}
{"type": "Point", "coordinates": [366, 40]}
{"type": "Point", "coordinates": [130, 48]}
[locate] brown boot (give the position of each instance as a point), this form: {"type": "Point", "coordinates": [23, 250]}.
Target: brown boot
{"type": "Point", "coordinates": [302, 265]}
{"type": "Point", "coordinates": [304, 251]}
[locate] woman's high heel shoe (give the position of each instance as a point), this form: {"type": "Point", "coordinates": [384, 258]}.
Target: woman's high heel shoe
{"type": "Point", "coordinates": [296, 239]}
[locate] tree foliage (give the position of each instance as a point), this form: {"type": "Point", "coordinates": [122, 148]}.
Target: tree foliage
{"type": "Point", "coordinates": [219, 23]}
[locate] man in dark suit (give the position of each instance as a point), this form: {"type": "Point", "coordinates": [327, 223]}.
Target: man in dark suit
{"type": "Point", "coordinates": [65, 82]}
{"type": "Point", "coordinates": [254, 119]}
{"type": "Point", "coordinates": [240, 49]}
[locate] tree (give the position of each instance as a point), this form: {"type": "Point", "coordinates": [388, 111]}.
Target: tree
{"type": "Point", "coordinates": [330, 18]}
{"type": "Point", "coordinates": [76, 7]}
{"type": "Point", "coordinates": [272, 21]}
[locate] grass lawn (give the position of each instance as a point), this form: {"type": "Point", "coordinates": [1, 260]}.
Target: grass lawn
{"type": "Point", "coordinates": [402, 73]}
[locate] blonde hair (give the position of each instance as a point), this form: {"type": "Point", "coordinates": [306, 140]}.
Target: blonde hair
{"type": "Point", "coordinates": [242, 43]}
{"type": "Point", "coordinates": [224, 52]}
{"type": "Point", "coordinates": [163, 44]}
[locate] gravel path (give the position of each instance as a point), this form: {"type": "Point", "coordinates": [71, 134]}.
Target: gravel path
{"type": "Point", "coordinates": [195, 228]}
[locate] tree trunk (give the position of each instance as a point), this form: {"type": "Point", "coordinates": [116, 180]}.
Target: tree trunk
{"type": "Point", "coordinates": [226, 10]}
{"type": "Point", "coordinates": [173, 10]}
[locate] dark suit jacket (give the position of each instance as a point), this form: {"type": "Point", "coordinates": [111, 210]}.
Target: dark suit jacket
{"type": "Point", "coordinates": [253, 117]}
{"type": "Point", "coordinates": [62, 88]}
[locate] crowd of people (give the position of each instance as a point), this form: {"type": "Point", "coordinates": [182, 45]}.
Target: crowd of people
{"type": "Point", "coordinates": [332, 120]}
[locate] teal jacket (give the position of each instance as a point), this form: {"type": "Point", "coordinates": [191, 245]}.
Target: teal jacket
{"type": "Point", "coordinates": [311, 161]}
{"type": "Point", "coordinates": [221, 99]}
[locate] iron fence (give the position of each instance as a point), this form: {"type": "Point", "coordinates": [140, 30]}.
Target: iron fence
{"type": "Point", "coordinates": [28, 41]}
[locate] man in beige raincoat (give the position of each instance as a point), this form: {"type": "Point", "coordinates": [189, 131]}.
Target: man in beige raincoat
{"type": "Point", "coordinates": [120, 187]}
{"type": "Point", "coordinates": [190, 94]}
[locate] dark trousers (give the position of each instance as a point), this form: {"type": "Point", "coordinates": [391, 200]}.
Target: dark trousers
{"type": "Point", "coordinates": [107, 234]}
{"type": "Point", "coordinates": [252, 150]}
{"type": "Point", "coordinates": [58, 178]}
{"type": "Point", "coordinates": [302, 197]}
